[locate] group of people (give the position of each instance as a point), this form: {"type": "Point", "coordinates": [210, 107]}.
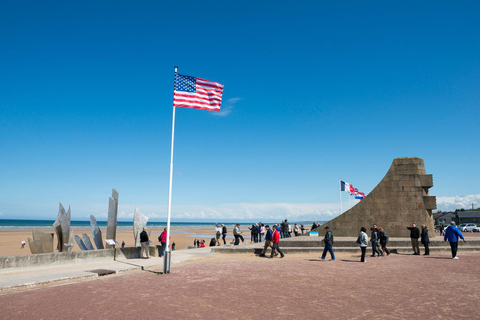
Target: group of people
{"type": "Point", "coordinates": [145, 241]}
{"type": "Point", "coordinates": [197, 243]}
{"type": "Point", "coordinates": [451, 234]}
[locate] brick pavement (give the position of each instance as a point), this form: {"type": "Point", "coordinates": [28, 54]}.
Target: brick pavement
{"type": "Point", "coordinates": [247, 287]}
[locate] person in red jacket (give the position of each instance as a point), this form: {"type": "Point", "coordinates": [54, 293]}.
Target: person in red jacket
{"type": "Point", "coordinates": [275, 241]}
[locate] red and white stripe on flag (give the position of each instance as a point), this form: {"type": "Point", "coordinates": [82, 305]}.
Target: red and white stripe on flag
{"type": "Point", "coordinates": [197, 93]}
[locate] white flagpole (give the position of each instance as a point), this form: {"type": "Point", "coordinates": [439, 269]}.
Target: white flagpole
{"type": "Point", "coordinates": [340, 183]}
{"type": "Point", "coordinates": [167, 258]}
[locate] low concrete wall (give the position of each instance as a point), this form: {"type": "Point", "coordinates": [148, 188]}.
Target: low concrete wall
{"type": "Point", "coordinates": [74, 257]}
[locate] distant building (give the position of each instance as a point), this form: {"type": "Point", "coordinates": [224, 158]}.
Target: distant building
{"type": "Point", "coordinates": [468, 217]}
{"type": "Point", "coordinates": [444, 217]}
{"type": "Point", "coordinates": [458, 216]}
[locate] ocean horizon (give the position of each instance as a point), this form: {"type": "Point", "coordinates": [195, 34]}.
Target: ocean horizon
{"type": "Point", "coordinates": [39, 223]}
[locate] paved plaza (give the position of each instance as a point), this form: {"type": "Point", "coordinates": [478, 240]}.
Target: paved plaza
{"type": "Point", "coordinates": [239, 286]}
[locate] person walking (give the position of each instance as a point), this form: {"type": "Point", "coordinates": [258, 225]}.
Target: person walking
{"type": "Point", "coordinates": [163, 241]}
{"type": "Point", "coordinates": [414, 235]}
{"type": "Point", "coordinates": [383, 237]}
{"type": "Point", "coordinates": [275, 242]}
{"type": "Point", "coordinates": [262, 231]}
{"type": "Point", "coordinates": [144, 243]}
{"type": "Point", "coordinates": [224, 233]}
{"type": "Point", "coordinates": [218, 233]}
{"type": "Point", "coordinates": [442, 229]}
{"type": "Point", "coordinates": [302, 228]}
{"type": "Point", "coordinates": [237, 234]}
{"type": "Point", "coordinates": [452, 234]}
{"type": "Point", "coordinates": [23, 244]}
{"type": "Point", "coordinates": [328, 241]}
{"type": "Point", "coordinates": [362, 240]}
{"type": "Point", "coordinates": [268, 240]}
{"type": "Point", "coordinates": [425, 240]}
{"type": "Point", "coordinates": [374, 241]}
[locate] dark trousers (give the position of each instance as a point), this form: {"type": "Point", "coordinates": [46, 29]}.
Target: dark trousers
{"type": "Point", "coordinates": [164, 245]}
{"type": "Point", "coordinates": [384, 248]}
{"type": "Point", "coordinates": [374, 249]}
{"type": "Point", "coordinates": [427, 249]}
{"type": "Point", "coordinates": [277, 248]}
{"type": "Point", "coordinates": [224, 235]}
{"type": "Point", "coordinates": [364, 250]}
{"type": "Point", "coordinates": [328, 248]}
{"type": "Point", "coordinates": [236, 240]}
{"type": "Point", "coordinates": [454, 246]}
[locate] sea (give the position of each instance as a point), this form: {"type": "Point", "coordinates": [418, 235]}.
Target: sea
{"type": "Point", "coordinates": [30, 223]}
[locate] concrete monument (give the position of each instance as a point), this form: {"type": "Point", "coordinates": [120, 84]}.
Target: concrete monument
{"type": "Point", "coordinates": [96, 233]}
{"type": "Point", "coordinates": [400, 199]}
{"type": "Point", "coordinates": [62, 229]}
{"type": "Point", "coordinates": [42, 242]}
{"type": "Point", "coordinates": [112, 217]}
{"type": "Point", "coordinates": [139, 222]}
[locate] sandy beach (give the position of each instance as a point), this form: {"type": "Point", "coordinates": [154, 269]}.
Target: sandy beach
{"type": "Point", "coordinates": [10, 239]}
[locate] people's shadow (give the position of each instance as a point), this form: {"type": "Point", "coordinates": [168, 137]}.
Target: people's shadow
{"type": "Point", "coordinates": [441, 258]}
{"type": "Point", "coordinates": [350, 260]}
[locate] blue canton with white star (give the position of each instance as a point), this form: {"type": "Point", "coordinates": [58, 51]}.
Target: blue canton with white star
{"type": "Point", "coordinates": [185, 83]}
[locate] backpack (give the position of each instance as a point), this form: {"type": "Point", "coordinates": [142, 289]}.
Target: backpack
{"type": "Point", "coordinates": [224, 229]}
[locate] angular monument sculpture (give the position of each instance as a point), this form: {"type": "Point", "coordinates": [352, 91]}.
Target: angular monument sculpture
{"type": "Point", "coordinates": [42, 242]}
{"type": "Point", "coordinates": [399, 200]}
{"type": "Point", "coordinates": [96, 233]}
{"type": "Point", "coordinates": [80, 243]}
{"type": "Point", "coordinates": [139, 222]}
{"type": "Point", "coordinates": [62, 229]}
{"type": "Point", "coordinates": [87, 242]}
{"type": "Point", "coordinates": [112, 216]}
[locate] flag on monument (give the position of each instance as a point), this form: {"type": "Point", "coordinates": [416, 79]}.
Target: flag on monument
{"type": "Point", "coordinates": [197, 93]}
{"type": "Point", "coordinates": [359, 195]}
{"type": "Point", "coordinates": [344, 186]}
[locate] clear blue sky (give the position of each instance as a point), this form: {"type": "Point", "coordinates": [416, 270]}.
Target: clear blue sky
{"type": "Point", "coordinates": [314, 91]}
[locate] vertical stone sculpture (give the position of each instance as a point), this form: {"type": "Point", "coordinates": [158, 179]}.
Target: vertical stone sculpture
{"type": "Point", "coordinates": [62, 229]}
{"type": "Point", "coordinates": [42, 242]}
{"type": "Point", "coordinates": [96, 233]}
{"type": "Point", "coordinates": [112, 216]}
{"type": "Point", "coordinates": [80, 243]}
{"type": "Point", "coordinates": [400, 199]}
{"type": "Point", "coordinates": [87, 242]}
{"type": "Point", "coordinates": [139, 222]}
{"type": "Point", "coordinates": [69, 244]}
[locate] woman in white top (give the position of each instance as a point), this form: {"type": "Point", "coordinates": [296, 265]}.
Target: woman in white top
{"type": "Point", "coordinates": [363, 242]}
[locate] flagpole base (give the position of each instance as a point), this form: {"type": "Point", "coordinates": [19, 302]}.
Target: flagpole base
{"type": "Point", "coordinates": [167, 261]}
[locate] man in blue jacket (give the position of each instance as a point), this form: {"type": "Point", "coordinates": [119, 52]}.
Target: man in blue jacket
{"type": "Point", "coordinates": [451, 234]}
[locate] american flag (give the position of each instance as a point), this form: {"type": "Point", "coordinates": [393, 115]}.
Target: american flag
{"type": "Point", "coordinates": [191, 92]}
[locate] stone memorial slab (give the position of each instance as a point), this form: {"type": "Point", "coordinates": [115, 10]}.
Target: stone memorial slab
{"type": "Point", "coordinates": [80, 243]}
{"type": "Point", "coordinates": [46, 240]}
{"type": "Point", "coordinates": [112, 216]}
{"type": "Point", "coordinates": [87, 242]}
{"type": "Point", "coordinates": [62, 228]}
{"type": "Point", "coordinates": [139, 222]}
{"type": "Point", "coordinates": [96, 233]}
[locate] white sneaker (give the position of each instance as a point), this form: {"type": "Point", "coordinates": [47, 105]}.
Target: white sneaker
{"type": "Point", "coordinates": [456, 258]}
